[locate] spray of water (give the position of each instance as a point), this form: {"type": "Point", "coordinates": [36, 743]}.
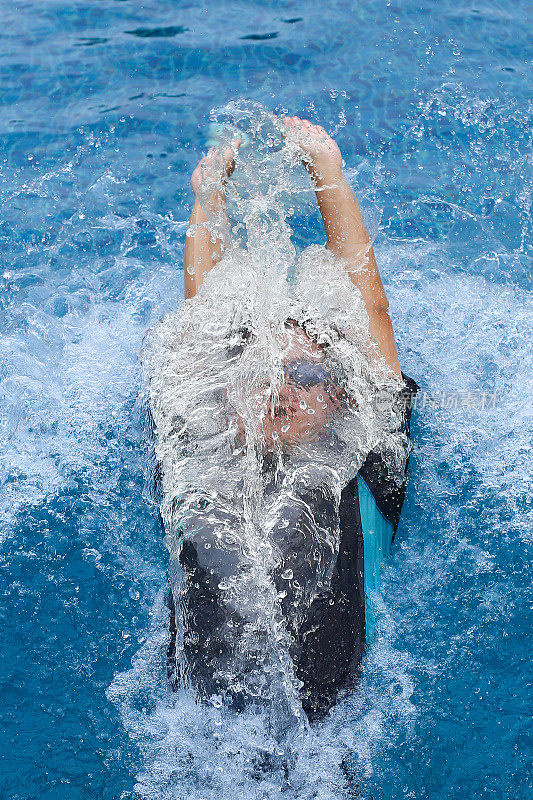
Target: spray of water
{"type": "Point", "coordinates": [241, 441]}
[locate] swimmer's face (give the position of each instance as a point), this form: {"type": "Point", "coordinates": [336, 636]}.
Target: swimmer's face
{"type": "Point", "coordinates": [303, 405]}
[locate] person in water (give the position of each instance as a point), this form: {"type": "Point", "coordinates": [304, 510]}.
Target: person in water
{"type": "Point", "coordinates": [329, 626]}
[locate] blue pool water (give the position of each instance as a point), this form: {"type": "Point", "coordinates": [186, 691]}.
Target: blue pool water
{"type": "Point", "coordinates": [103, 112]}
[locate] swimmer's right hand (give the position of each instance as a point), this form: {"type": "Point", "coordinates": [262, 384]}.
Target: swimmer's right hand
{"type": "Point", "coordinates": [320, 153]}
{"type": "Point", "coordinates": [216, 167]}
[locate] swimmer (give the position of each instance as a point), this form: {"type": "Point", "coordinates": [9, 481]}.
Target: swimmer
{"type": "Point", "coordinates": [322, 589]}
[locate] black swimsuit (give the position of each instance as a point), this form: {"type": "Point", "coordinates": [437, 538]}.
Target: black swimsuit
{"type": "Point", "coordinates": [328, 634]}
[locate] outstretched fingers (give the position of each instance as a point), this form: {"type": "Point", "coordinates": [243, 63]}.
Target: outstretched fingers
{"type": "Point", "coordinates": [305, 126]}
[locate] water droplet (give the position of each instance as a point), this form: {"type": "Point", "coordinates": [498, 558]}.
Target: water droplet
{"type": "Point", "coordinates": [303, 405]}
{"type": "Point", "coordinates": [287, 575]}
{"type": "Point", "coordinates": [191, 270]}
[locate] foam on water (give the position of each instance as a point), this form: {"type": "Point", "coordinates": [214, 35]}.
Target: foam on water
{"type": "Point", "coordinates": [73, 316]}
{"type": "Point", "coordinates": [190, 749]}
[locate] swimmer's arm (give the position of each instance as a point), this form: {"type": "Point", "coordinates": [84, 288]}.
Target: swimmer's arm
{"type": "Point", "coordinates": [346, 234]}
{"type": "Point", "coordinates": [205, 246]}
{"type": "Point", "coordinates": [201, 253]}
{"type": "Point", "coordinates": [348, 239]}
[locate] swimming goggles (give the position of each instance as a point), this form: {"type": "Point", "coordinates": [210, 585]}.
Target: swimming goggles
{"type": "Point", "coordinates": [305, 374]}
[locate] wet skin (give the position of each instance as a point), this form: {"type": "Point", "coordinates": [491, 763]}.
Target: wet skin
{"type": "Point", "coordinates": [297, 413]}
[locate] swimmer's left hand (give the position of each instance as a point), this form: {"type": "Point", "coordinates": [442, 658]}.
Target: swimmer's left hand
{"type": "Point", "coordinates": [217, 165]}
